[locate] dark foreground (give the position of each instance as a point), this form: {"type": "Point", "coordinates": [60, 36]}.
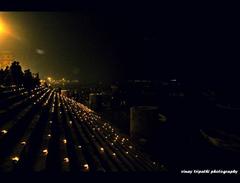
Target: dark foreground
{"type": "Point", "coordinates": [43, 131]}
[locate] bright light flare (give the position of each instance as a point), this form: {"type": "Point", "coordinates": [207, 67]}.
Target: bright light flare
{"type": "Point", "coordinates": [6, 30]}
{"type": "Point", "coordinates": [3, 27]}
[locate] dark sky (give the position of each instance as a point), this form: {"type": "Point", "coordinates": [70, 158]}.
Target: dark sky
{"type": "Point", "coordinates": [155, 44]}
{"type": "Point", "coordinates": [88, 47]}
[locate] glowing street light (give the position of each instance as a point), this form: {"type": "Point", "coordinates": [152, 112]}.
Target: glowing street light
{"type": "Point", "coordinates": [6, 31]}
{"type": "Point", "coordinates": [3, 28]}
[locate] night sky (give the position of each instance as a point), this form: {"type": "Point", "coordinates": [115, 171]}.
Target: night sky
{"type": "Point", "coordinates": [88, 47]}
{"type": "Point", "coordinates": [113, 46]}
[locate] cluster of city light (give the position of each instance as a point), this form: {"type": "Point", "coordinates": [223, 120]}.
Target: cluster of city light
{"type": "Point", "coordinates": [37, 93]}
{"type": "Point", "coordinates": [16, 158]}
{"type": "Point", "coordinates": [50, 80]}
{"type": "Point", "coordinates": [92, 120]}
{"type": "Point", "coordinates": [108, 139]}
{"type": "Point", "coordinates": [106, 130]}
{"type": "Point", "coordinates": [23, 142]}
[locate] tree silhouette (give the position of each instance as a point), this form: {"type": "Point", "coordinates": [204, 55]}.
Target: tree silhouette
{"type": "Point", "coordinates": [14, 75]}
{"type": "Point", "coordinates": [2, 75]}
{"type": "Point", "coordinates": [7, 77]}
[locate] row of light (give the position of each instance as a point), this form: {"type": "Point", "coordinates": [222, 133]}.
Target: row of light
{"type": "Point", "coordinates": [47, 101]}
{"type": "Point", "coordinates": [85, 115]}
{"type": "Point", "coordinates": [112, 130]}
{"type": "Point", "coordinates": [45, 151]}
{"type": "Point", "coordinates": [106, 128]}
{"type": "Point", "coordinates": [4, 131]}
{"type": "Point", "coordinates": [85, 166]}
{"type": "Point", "coordinates": [91, 121]}
{"type": "Point", "coordinates": [88, 115]}
{"type": "Point", "coordinates": [41, 97]}
{"type": "Point", "coordinates": [66, 160]}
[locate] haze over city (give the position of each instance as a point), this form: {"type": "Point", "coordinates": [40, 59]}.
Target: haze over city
{"type": "Point", "coordinates": [88, 47]}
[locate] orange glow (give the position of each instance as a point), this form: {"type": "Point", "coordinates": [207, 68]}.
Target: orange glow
{"type": "Point", "coordinates": [6, 30]}
{"type": "Point", "coordinates": [3, 28]}
{"type": "Point", "coordinates": [6, 57]}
